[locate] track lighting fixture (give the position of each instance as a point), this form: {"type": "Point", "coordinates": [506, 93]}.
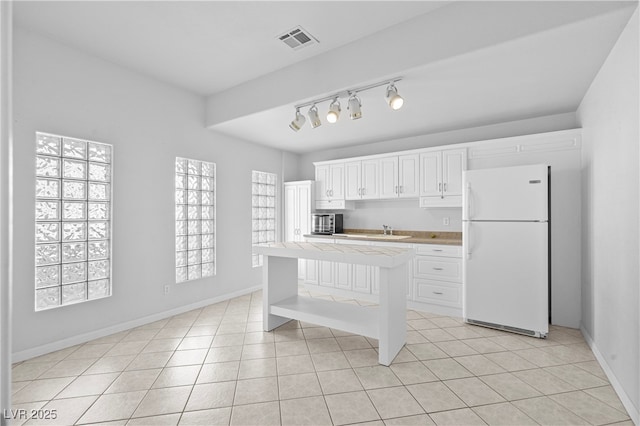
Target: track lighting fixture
{"type": "Point", "coordinates": [354, 105]}
{"type": "Point", "coordinates": [334, 111]}
{"type": "Point", "coordinates": [314, 119]}
{"type": "Point", "coordinates": [297, 122]}
{"type": "Point", "coordinates": [394, 100]}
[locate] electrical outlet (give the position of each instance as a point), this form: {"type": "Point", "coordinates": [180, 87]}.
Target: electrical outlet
{"type": "Point", "coordinates": [166, 289]}
{"type": "Point", "coordinates": [445, 221]}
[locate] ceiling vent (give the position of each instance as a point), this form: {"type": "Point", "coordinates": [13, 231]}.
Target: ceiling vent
{"type": "Point", "coordinates": [298, 38]}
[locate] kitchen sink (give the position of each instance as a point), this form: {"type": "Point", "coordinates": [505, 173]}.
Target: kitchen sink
{"type": "Point", "coordinates": [390, 237]}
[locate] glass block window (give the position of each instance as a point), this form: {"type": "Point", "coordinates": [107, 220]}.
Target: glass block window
{"type": "Point", "coordinates": [263, 203]}
{"type": "Point", "coordinates": [195, 219]}
{"type": "Point", "coordinates": [73, 221]}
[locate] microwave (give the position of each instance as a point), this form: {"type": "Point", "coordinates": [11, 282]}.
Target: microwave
{"type": "Point", "coordinates": [326, 223]}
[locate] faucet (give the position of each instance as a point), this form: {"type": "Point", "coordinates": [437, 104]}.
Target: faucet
{"type": "Point", "coordinates": [386, 228]}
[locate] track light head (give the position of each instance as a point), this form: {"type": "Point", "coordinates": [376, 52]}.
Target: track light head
{"type": "Point", "coordinates": [314, 119]}
{"type": "Point", "coordinates": [334, 111]}
{"type": "Point", "coordinates": [354, 107]}
{"type": "Point", "coordinates": [394, 100]}
{"type": "Point", "coordinates": [297, 122]}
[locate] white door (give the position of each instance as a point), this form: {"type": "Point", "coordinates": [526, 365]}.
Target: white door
{"type": "Point", "coordinates": [506, 274]}
{"type": "Point", "coordinates": [336, 191]}
{"type": "Point", "coordinates": [454, 161]}
{"type": "Point", "coordinates": [323, 179]}
{"type": "Point", "coordinates": [389, 177]}
{"type": "Point", "coordinates": [370, 177]}
{"type": "Point", "coordinates": [508, 193]}
{"type": "Point", "coordinates": [290, 213]}
{"type": "Point", "coordinates": [304, 210]}
{"type": "Point", "coordinates": [352, 183]}
{"type": "Point", "coordinates": [409, 176]}
{"type": "Point", "coordinates": [431, 174]}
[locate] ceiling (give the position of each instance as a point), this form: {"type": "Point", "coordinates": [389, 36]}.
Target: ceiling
{"type": "Point", "coordinates": [463, 64]}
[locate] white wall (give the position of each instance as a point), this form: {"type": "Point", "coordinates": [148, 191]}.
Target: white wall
{"type": "Point", "coordinates": [609, 115]}
{"type": "Point", "coordinates": [63, 91]}
{"type": "Point", "coordinates": [5, 219]}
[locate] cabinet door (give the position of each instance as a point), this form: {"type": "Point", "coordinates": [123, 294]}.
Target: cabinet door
{"type": "Point", "coordinates": [454, 161]}
{"type": "Point", "coordinates": [409, 176]}
{"type": "Point", "coordinates": [362, 278]}
{"type": "Point", "coordinates": [431, 174]}
{"type": "Point", "coordinates": [336, 188]}
{"type": "Point", "coordinates": [311, 272]}
{"type": "Point", "coordinates": [323, 179]}
{"type": "Point", "coordinates": [342, 277]}
{"type": "Point", "coordinates": [304, 194]}
{"type": "Point", "coordinates": [325, 273]}
{"type": "Point", "coordinates": [302, 269]}
{"type": "Point", "coordinates": [370, 179]}
{"type": "Point", "coordinates": [290, 212]}
{"type": "Point", "coordinates": [352, 182]}
{"type": "Point", "coordinates": [389, 177]}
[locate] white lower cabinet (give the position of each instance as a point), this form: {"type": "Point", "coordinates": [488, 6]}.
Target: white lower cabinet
{"type": "Point", "coordinates": [434, 278]}
{"type": "Point", "coordinates": [342, 275]}
{"type": "Point", "coordinates": [437, 279]}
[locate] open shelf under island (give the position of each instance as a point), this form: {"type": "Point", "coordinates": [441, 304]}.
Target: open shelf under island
{"type": "Point", "coordinates": [386, 322]}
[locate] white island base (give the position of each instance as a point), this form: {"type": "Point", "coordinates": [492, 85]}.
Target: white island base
{"type": "Point", "coordinates": [385, 322]}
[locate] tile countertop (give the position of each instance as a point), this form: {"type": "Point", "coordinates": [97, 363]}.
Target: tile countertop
{"type": "Point", "coordinates": [415, 237]}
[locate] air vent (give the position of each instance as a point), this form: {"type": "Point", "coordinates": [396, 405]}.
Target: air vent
{"type": "Point", "coordinates": [297, 38]}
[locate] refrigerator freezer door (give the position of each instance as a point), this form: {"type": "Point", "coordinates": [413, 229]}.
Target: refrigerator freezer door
{"type": "Point", "coordinates": [509, 193]}
{"type": "Point", "coordinates": [506, 274]}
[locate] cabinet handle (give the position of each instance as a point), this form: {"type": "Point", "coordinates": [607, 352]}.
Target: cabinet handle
{"type": "Point", "coordinates": [445, 187]}
{"type": "Point", "coordinates": [364, 191]}
{"type": "Point", "coordinates": [440, 187]}
{"type": "Point", "coordinates": [437, 269]}
{"type": "Point", "coordinates": [436, 250]}
{"type": "Point", "coordinates": [401, 189]}
{"type": "Point", "coordinates": [360, 192]}
{"type": "Point", "coordinates": [439, 293]}
{"type": "Point", "coordinates": [331, 192]}
{"type": "Point", "coordinates": [395, 189]}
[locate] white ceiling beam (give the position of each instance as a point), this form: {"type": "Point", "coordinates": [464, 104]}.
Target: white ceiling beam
{"type": "Point", "coordinates": [450, 31]}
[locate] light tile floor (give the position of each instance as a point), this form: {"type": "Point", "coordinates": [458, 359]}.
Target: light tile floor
{"type": "Point", "coordinates": [215, 365]}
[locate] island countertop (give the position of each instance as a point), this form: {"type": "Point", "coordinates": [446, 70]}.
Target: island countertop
{"type": "Point", "coordinates": [388, 257]}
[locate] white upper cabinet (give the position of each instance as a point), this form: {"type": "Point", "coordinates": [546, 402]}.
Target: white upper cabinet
{"type": "Point", "coordinates": [400, 176]}
{"type": "Point", "coordinates": [441, 177]}
{"type": "Point", "coordinates": [330, 183]}
{"type": "Point", "coordinates": [434, 176]}
{"type": "Point", "coordinates": [408, 175]}
{"type": "Point", "coordinates": [361, 180]}
{"type": "Point", "coordinates": [389, 177]}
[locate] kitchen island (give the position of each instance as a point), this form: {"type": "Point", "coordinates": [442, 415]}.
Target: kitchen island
{"type": "Point", "coordinates": [386, 322]}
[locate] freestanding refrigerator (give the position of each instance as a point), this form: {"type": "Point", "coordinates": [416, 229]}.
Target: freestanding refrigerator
{"type": "Point", "coordinates": [505, 213]}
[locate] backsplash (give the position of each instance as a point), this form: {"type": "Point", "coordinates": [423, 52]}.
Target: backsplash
{"type": "Point", "coordinates": [401, 215]}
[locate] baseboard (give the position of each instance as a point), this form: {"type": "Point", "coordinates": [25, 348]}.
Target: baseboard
{"type": "Point", "coordinates": [633, 411]}
{"type": "Point", "coordinates": [434, 309]}
{"type": "Point", "coordinates": [82, 338]}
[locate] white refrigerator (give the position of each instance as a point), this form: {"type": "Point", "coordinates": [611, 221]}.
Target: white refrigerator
{"type": "Point", "coordinates": [506, 248]}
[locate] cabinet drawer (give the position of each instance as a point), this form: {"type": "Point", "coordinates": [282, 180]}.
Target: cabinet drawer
{"type": "Point", "coordinates": [438, 250]}
{"type": "Point", "coordinates": [438, 268]}
{"type": "Point", "coordinates": [439, 293]}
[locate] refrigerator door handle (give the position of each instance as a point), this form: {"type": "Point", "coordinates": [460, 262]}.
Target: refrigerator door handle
{"type": "Point", "coordinates": [467, 232]}
{"type": "Point", "coordinates": [468, 200]}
